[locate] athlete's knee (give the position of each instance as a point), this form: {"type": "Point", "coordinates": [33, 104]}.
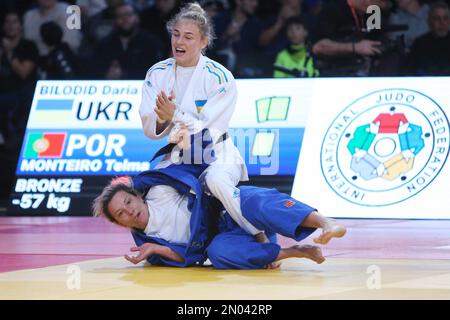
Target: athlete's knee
{"type": "Point", "coordinates": [238, 251]}
{"type": "Point", "coordinates": [213, 251]}
{"type": "Point", "coordinates": [216, 253]}
{"type": "Point", "coordinates": [223, 252]}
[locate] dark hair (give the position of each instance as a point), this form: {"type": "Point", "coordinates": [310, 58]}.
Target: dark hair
{"type": "Point", "coordinates": [439, 5]}
{"type": "Point", "coordinates": [221, 5]}
{"type": "Point", "coordinates": [10, 12]}
{"type": "Point", "coordinates": [126, 4]}
{"type": "Point", "coordinates": [100, 204]}
{"type": "Point", "coordinates": [51, 33]}
{"type": "Point", "coordinates": [295, 20]}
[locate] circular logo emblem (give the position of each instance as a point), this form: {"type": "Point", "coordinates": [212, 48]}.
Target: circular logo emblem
{"type": "Point", "coordinates": [385, 147]}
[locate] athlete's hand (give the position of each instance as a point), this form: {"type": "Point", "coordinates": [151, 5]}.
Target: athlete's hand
{"type": "Point", "coordinates": [145, 250]}
{"type": "Point", "coordinates": [184, 140]}
{"type": "Point", "coordinates": [261, 237]}
{"type": "Point", "coordinates": [165, 107]}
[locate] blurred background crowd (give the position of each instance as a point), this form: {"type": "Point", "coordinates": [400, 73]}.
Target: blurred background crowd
{"type": "Point", "coordinates": [120, 39]}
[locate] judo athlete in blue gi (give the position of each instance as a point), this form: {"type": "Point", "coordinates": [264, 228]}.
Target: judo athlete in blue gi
{"type": "Point", "coordinates": [174, 223]}
{"type": "Point", "coordinates": [194, 92]}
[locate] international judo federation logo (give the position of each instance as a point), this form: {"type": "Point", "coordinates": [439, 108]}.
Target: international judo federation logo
{"type": "Point", "coordinates": [385, 147]}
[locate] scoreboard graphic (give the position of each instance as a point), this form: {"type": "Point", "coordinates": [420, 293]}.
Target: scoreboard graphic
{"type": "Point", "coordinates": [80, 134]}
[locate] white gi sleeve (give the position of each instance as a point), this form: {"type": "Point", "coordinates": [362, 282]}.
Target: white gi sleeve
{"type": "Point", "coordinates": [148, 115]}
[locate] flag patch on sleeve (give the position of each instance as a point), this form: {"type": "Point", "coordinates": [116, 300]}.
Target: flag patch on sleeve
{"type": "Point", "coordinates": [289, 203]}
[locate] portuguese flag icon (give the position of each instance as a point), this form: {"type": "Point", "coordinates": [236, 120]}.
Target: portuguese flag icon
{"type": "Point", "coordinates": [45, 145]}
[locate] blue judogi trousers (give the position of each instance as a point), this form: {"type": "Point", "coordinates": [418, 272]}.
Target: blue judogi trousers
{"type": "Point", "coordinates": [268, 210]}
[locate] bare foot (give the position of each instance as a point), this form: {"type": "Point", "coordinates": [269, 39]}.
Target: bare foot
{"type": "Point", "coordinates": [331, 230]}
{"type": "Point", "coordinates": [313, 253]}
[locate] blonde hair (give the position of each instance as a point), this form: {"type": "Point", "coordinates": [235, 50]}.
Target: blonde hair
{"type": "Point", "coordinates": [194, 12]}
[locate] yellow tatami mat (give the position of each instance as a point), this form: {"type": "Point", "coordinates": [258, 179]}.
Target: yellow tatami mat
{"type": "Point", "coordinates": [337, 278]}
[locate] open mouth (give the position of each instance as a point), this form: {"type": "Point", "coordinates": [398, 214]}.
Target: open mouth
{"type": "Point", "coordinates": [180, 51]}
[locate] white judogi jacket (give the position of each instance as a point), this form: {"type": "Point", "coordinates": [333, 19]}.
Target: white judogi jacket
{"type": "Point", "coordinates": [208, 102]}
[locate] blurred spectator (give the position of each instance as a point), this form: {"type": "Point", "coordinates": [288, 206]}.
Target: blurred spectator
{"type": "Point", "coordinates": [129, 51]}
{"type": "Point", "coordinates": [154, 20]}
{"type": "Point", "coordinates": [49, 10]}
{"type": "Point", "coordinates": [214, 7]}
{"type": "Point", "coordinates": [273, 38]}
{"type": "Point", "coordinates": [267, 8]}
{"type": "Point", "coordinates": [312, 11]}
{"type": "Point", "coordinates": [19, 6]}
{"type": "Point", "coordinates": [60, 62]}
{"type": "Point", "coordinates": [430, 53]}
{"type": "Point", "coordinates": [238, 31]}
{"type": "Point", "coordinates": [413, 15]}
{"type": "Point", "coordinates": [295, 61]}
{"type": "Point", "coordinates": [141, 5]}
{"type": "Point", "coordinates": [88, 8]}
{"type": "Point", "coordinates": [18, 60]}
{"type": "Point", "coordinates": [98, 27]}
{"type": "Point", "coordinates": [342, 42]}
{"type": "Point", "coordinates": [91, 7]}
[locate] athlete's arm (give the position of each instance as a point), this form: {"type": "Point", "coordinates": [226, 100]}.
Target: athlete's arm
{"type": "Point", "coordinates": [153, 127]}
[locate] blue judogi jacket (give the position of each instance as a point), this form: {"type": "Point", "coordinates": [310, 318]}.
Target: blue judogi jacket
{"type": "Point", "coordinates": [184, 179]}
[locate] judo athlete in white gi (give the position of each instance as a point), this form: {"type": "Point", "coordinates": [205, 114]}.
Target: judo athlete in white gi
{"type": "Point", "coordinates": [193, 91]}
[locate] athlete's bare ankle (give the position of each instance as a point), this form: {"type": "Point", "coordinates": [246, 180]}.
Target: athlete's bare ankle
{"type": "Point", "coordinates": [290, 252]}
